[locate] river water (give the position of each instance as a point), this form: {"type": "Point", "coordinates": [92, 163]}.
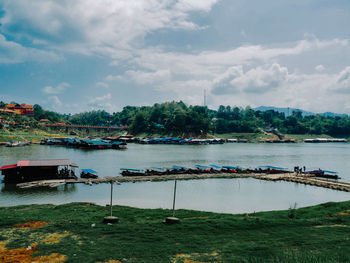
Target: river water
{"type": "Point", "coordinates": [216, 195]}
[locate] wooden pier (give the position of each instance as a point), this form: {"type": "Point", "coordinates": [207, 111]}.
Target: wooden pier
{"type": "Point", "coordinates": [306, 179]}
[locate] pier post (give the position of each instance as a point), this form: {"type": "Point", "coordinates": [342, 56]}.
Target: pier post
{"type": "Point", "coordinates": [172, 219]}
{"type": "Point", "coordinates": [111, 219]}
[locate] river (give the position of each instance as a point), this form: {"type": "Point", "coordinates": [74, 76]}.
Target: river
{"type": "Point", "coordinates": [216, 195]}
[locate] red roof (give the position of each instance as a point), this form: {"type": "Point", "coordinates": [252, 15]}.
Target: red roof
{"type": "Point", "coordinates": [7, 110]}
{"type": "Point", "coordinates": [23, 106]}
{"type": "Point", "coordinates": [44, 120]}
{"type": "Point", "coordinates": [5, 167]}
{"type": "Point", "coordinates": [47, 162]}
{"type": "Point", "coordinates": [27, 106]}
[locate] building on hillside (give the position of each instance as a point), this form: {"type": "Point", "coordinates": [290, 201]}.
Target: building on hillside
{"type": "Point", "coordinates": [8, 111]}
{"type": "Point", "coordinates": [22, 109]}
{"type": "Point", "coordinates": [44, 121]}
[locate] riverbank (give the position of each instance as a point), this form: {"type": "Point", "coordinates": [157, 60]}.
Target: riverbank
{"type": "Point", "coordinates": [31, 135]}
{"type": "Point", "coordinates": [35, 135]}
{"type": "Point", "coordinates": [75, 233]}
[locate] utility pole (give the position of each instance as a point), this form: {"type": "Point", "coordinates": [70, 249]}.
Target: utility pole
{"type": "Point", "coordinates": [172, 219]}
{"type": "Point", "coordinates": [111, 219]}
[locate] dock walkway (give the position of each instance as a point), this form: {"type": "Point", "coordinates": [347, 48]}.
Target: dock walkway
{"type": "Point", "coordinates": [307, 179]}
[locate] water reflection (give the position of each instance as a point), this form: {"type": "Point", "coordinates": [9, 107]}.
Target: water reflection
{"type": "Point", "coordinates": [217, 195]}
{"type": "Point", "coordinates": [12, 190]}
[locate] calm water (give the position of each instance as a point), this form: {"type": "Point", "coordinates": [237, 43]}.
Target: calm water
{"type": "Point", "coordinates": [217, 195]}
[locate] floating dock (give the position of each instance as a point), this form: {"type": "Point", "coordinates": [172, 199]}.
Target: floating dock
{"type": "Point", "coordinates": [307, 179]}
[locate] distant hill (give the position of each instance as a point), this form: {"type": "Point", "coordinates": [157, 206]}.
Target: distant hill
{"type": "Point", "coordinates": [289, 111]}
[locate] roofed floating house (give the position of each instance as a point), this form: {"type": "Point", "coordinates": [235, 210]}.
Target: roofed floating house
{"type": "Point", "coordinates": [34, 170]}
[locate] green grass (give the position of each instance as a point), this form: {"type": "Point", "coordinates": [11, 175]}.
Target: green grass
{"type": "Point", "coordinates": [315, 234]}
{"type": "Point", "coordinates": [251, 137]}
{"type": "Point", "coordinates": [26, 134]}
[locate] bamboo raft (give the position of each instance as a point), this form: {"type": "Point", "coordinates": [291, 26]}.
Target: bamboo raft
{"type": "Point", "coordinates": [307, 179]}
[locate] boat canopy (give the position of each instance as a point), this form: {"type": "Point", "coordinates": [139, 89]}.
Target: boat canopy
{"type": "Point", "coordinates": [231, 167]}
{"type": "Point", "coordinates": [131, 169]}
{"type": "Point", "coordinates": [202, 166]}
{"type": "Point", "coordinates": [215, 166]}
{"type": "Point", "coordinates": [272, 167]}
{"type": "Point", "coordinates": [329, 172]}
{"type": "Point", "coordinates": [156, 168]}
{"type": "Point", "coordinates": [89, 171]}
{"type": "Point", "coordinates": [11, 166]}
{"type": "Point", "coordinates": [35, 163]}
{"type": "Point", "coordinates": [177, 167]}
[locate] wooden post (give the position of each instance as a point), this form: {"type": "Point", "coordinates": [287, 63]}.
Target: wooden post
{"type": "Point", "coordinates": [174, 198]}
{"type": "Point", "coordinates": [111, 203]}
{"type": "Point", "coordinates": [111, 219]}
{"type": "Point", "coordinates": [172, 219]}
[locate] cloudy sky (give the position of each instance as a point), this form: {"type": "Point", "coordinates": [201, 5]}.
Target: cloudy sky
{"type": "Point", "coordinates": [72, 56]}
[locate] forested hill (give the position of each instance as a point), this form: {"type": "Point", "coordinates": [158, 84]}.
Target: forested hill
{"type": "Point", "coordinates": [176, 118]}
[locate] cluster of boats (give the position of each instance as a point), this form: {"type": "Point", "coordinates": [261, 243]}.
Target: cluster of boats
{"type": "Point", "coordinates": [324, 140]}
{"type": "Point", "coordinates": [199, 169]}
{"type": "Point", "coordinates": [215, 169]}
{"type": "Point", "coordinates": [85, 143]}
{"type": "Point", "coordinates": [188, 141]}
{"type": "Point", "coordinates": [180, 141]}
{"type": "Point", "coordinates": [16, 144]}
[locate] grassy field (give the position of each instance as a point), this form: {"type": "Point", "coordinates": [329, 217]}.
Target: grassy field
{"type": "Point", "coordinates": [33, 135]}
{"type": "Point", "coordinates": [75, 233]}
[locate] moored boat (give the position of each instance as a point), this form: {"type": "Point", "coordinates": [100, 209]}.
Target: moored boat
{"type": "Point", "coordinates": [132, 172]}
{"type": "Point", "coordinates": [88, 173]}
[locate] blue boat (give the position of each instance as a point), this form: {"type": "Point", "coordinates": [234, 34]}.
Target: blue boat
{"type": "Point", "coordinates": [88, 173]}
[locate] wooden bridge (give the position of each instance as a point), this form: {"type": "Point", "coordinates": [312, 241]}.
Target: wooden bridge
{"type": "Point", "coordinates": [62, 125]}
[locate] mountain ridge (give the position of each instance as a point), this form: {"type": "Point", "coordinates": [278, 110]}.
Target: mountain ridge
{"type": "Point", "coordinates": [288, 111]}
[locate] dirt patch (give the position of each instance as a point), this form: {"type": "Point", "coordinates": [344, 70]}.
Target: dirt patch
{"type": "Point", "coordinates": [342, 214]}
{"type": "Point", "coordinates": [30, 225]}
{"type": "Point", "coordinates": [52, 258]}
{"type": "Point", "coordinates": [53, 238]}
{"type": "Point", "coordinates": [25, 255]}
{"type": "Point", "coordinates": [188, 258]}
{"type": "Point", "coordinates": [112, 261]}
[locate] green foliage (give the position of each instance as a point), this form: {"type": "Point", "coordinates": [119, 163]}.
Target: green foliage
{"type": "Point", "coordinates": [97, 118]}
{"type": "Point", "coordinates": [40, 113]}
{"type": "Point", "coordinates": [178, 119]}
{"type": "Point", "coordinates": [315, 235]}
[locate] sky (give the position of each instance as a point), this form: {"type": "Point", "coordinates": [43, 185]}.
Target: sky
{"type": "Point", "coordinates": [75, 56]}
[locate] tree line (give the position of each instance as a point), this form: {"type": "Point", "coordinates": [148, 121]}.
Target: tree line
{"type": "Point", "coordinates": [176, 118]}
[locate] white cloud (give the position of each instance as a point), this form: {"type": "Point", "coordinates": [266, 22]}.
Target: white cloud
{"type": "Point", "coordinates": [102, 85]}
{"type": "Point", "coordinates": [195, 5]}
{"type": "Point", "coordinates": [143, 77]}
{"type": "Point", "coordinates": [55, 102]}
{"type": "Point", "coordinates": [343, 81]}
{"type": "Point", "coordinates": [11, 52]}
{"type": "Point", "coordinates": [103, 102]}
{"type": "Point", "coordinates": [213, 63]}
{"type": "Point", "coordinates": [101, 27]}
{"type": "Point", "coordinates": [320, 68]}
{"type": "Point", "coordinates": [257, 80]}
{"type": "Point", "coordinates": [57, 90]}
{"type": "Point", "coordinates": [108, 96]}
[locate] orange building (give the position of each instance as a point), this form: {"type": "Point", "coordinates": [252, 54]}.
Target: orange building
{"type": "Point", "coordinates": [22, 109]}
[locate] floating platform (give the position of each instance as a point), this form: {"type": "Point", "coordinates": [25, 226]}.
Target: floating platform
{"type": "Point", "coordinates": [307, 179]}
